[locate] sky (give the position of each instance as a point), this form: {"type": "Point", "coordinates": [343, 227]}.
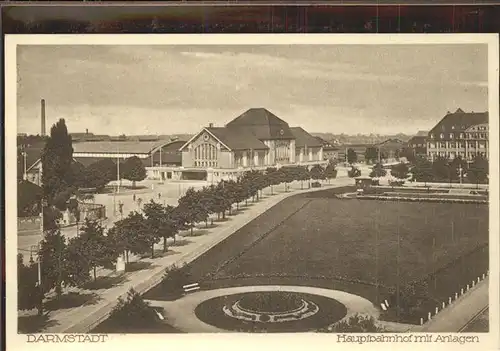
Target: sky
{"type": "Point", "coordinates": [174, 89]}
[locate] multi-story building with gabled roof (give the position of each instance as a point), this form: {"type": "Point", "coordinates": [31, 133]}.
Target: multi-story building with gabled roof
{"type": "Point", "coordinates": [463, 134]}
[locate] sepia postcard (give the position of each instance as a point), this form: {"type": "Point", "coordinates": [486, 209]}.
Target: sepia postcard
{"type": "Point", "coordinates": [252, 191]}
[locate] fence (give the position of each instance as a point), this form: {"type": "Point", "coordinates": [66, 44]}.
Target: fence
{"type": "Point", "coordinates": [451, 299]}
{"type": "Point", "coordinates": [448, 185]}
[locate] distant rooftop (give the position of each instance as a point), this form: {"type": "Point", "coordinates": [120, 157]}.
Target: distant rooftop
{"type": "Point", "coordinates": [118, 147]}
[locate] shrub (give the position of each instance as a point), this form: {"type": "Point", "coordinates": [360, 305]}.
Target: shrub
{"type": "Point", "coordinates": [357, 324]}
{"type": "Point", "coordinates": [174, 278]}
{"type": "Point", "coordinates": [316, 185]}
{"type": "Point", "coordinates": [396, 182]}
{"type": "Point", "coordinates": [133, 311]}
{"type": "Point", "coordinates": [375, 182]}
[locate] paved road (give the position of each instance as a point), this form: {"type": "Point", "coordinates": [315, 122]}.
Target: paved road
{"type": "Point", "coordinates": [170, 192]}
{"type": "Point", "coordinates": [181, 313]}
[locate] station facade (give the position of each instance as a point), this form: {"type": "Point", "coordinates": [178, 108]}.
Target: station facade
{"type": "Point", "coordinates": [257, 139]}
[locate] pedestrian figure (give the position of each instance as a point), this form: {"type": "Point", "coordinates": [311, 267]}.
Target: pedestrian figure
{"type": "Point", "coordinates": [120, 208]}
{"type": "Point", "coordinates": [159, 196]}
{"type": "Point", "coordinates": [133, 197]}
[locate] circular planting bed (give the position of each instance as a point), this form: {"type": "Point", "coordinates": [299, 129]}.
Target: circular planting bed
{"type": "Point", "coordinates": [271, 301]}
{"type": "Point", "coordinates": [270, 311]}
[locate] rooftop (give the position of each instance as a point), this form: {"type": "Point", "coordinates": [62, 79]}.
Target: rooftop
{"type": "Point", "coordinates": [459, 121]}
{"type": "Point", "coordinates": [121, 147]}
{"type": "Point", "coordinates": [237, 140]}
{"type": "Point", "coordinates": [262, 123]}
{"type": "Point", "coordinates": [303, 138]}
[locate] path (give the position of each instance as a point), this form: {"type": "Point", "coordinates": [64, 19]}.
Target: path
{"type": "Point", "coordinates": [181, 313]}
{"type": "Point", "coordinates": [86, 317]}
{"type": "Point", "coordinates": [170, 193]}
{"type": "Point", "coordinates": [457, 315]}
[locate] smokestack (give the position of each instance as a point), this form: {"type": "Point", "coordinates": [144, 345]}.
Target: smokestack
{"type": "Point", "coordinates": [43, 117]}
{"type": "Point", "coordinates": [86, 131]}
{"type": "Point", "coordinates": [210, 125]}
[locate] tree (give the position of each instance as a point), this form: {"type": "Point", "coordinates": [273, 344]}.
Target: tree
{"type": "Point", "coordinates": [77, 266]}
{"type": "Point", "coordinates": [422, 170]}
{"type": "Point", "coordinates": [478, 171]}
{"type": "Point", "coordinates": [378, 171]}
{"type": "Point", "coordinates": [193, 208]}
{"type": "Point", "coordinates": [240, 193]}
{"type": "Point", "coordinates": [458, 167]}
{"type": "Point", "coordinates": [128, 235]}
{"type": "Point", "coordinates": [29, 197]}
{"type": "Point", "coordinates": [288, 175]}
{"type": "Point", "coordinates": [28, 292]}
{"type": "Point", "coordinates": [440, 169]}
{"type": "Point", "coordinates": [51, 255]}
{"type": "Point", "coordinates": [408, 153]}
{"type": "Point", "coordinates": [92, 246]}
{"type": "Point", "coordinates": [133, 312]}
{"type": "Point", "coordinates": [371, 154]}
{"type": "Point", "coordinates": [317, 172]}
{"type": "Point", "coordinates": [273, 177]}
{"type": "Point", "coordinates": [56, 158]}
{"type": "Point", "coordinates": [357, 324]}
{"type": "Point", "coordinates": [303, 175]}
{"type": "Point", "coordinates": [352, 156]}
{"type": "Point", "coordinates": [78, 174]}
{"type": "Point", "coordinates": [175, 278]}
{"type": "Point", "coordinates": [159, 224]}
{"type": "Point", "coordinates": [411, 298]}
{"type": "Point", "coordinates": [99, 174]}
{"type": "Point", "coordinates": [400, 171]}
{"type": "Point", "coordinates": [134, 170]}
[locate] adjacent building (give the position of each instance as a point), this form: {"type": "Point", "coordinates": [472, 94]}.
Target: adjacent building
{"type": "Point", "coordinates": [330, 150]}
{"type": "Point", "coordinates": [390, 149]}
{"type": "Point", "coordinates": [463, 134]}
{"type": "Point", "coordinates": [256, 139]}
{"type": "Point", "coordinates": [418, 144]}
{"type": "Point", "coordinates": [160, 153]}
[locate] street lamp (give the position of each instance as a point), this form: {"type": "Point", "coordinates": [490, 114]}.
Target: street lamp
{"type": "Point", "coordinates": [25, 176]}
{"type": "Point", "coordinates": [460, 170]}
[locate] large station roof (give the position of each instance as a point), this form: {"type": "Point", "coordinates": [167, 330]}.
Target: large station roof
{"type": "Point", "coordinates": [237, 141]}
{"type": "Point", "coordinates": [262, 123]}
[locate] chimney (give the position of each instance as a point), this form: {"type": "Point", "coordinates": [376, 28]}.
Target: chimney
{"type": "Point", "coordinates": [86, 131]}
{"type": "Point", "coordinates": [210, 125]}
{"type": "Point", "coordinates": [43, 117]}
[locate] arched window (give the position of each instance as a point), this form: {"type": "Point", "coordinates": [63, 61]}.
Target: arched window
{"type": "Point", "coordinates": [205, 154]}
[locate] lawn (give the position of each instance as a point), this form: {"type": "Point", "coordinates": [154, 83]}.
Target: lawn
{"type": "Point", "coordinates": [352, 245]}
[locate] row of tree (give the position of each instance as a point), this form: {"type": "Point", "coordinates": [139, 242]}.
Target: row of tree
{"type": "Point", "coordinates": [440, 170]}
{"type": "Point", "coordinates": [75, 261]}
{"type": "Point", "coordinates": [62, 176]}
{"type": "Point", "coordinates": [372, 154]}
{"type": "Point", "coordinates": [97, 175]}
